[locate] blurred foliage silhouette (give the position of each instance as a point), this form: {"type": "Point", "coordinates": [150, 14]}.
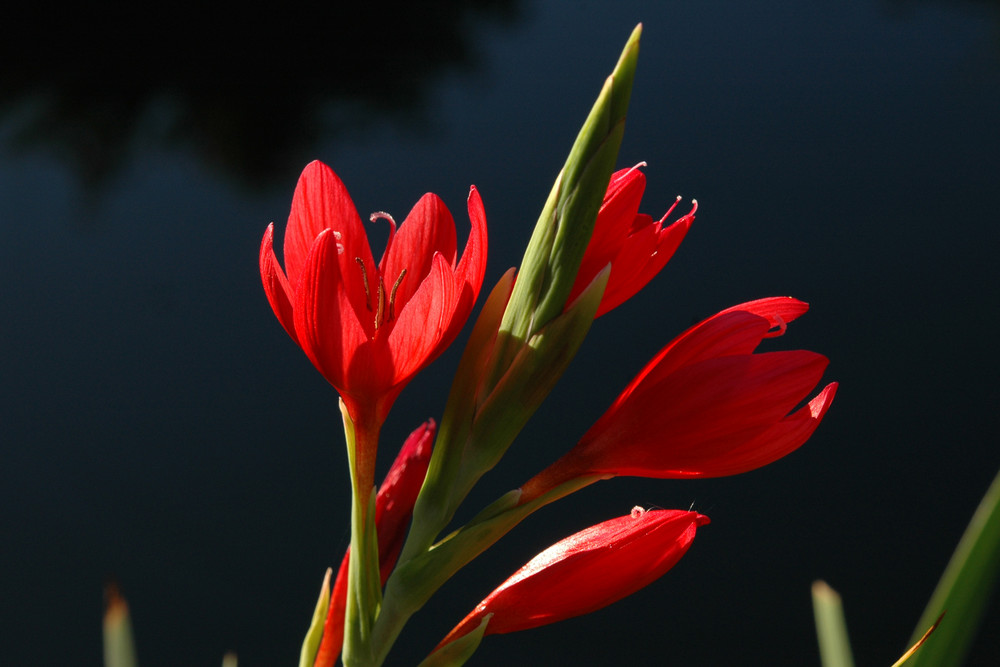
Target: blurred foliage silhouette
{"type": "Point", "coordinates": [245, 90]}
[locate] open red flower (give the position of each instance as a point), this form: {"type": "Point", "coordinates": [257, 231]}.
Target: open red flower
{"type": "Point", "coordinates": [367, 327]}
{"type": "Point", "coordinates": [706, 405]}
{"type": "Point", "coordinates": [393, 509]}
{"type": "Point", "coordinates": [636, 246]}
{"type": "Point", "coordinates": [586, 571]}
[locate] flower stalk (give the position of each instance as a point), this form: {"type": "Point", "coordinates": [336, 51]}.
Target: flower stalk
{"type": "Point", "coordinates": [364, 590]}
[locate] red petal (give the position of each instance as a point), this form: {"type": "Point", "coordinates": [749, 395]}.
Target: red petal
{"type": "Point", "coordinates": [333, 626]}
{"type": "Point", "coordinates": [321, 202]}
{"type": "Point", "coordinates": [736, 330]}
{"type": "Point", "coordinates": [643, 255]}
{"type": "Point", "coordinates": [279, 294]}
{"type": "Point", "coordinates": [423, 321]}
{"type": "Point", "coordinates": [781, 439]}
{"type": "Point", "coordinates": [777, 309]}
{"type": "Point", "coordinates": [470, 271]}
{"type": "Point", "coordinates": [398, 493]}
{"type": "Point", "coordinates": [614, 219]}
{"type": "Point", "coordinates": [328, 331]}
{"type": "Point", "coordinates": [429, 228]}
{"type": "Point", "coordinates": [691, 422]}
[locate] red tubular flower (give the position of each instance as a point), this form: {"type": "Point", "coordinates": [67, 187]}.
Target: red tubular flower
{"type": "Point", "coordinates": [393, 509]}
{"type": "Point", "coordinates": [369, 328]}
{"type": "Point", "coordinates": [636, 246]}
{"type": "Point", "coordinates": [706, 405]}
{"type": "Point", "coordinates": [586, 571]}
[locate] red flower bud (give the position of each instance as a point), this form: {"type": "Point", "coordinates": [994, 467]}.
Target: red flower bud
{"type": "Point", "coordinates": [586, 571]}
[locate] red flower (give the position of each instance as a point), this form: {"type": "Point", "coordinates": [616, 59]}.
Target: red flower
{"type": "Point", "coordinates": [369, 328]}
{"type": "Point", "coordinates": [586, 571]}
{"type": "Point", "coordinates": [636, 246]}
{"type": "Point", "coordinates": [393, 509]}
{"type": "Point", "coordinates": [706, 405]}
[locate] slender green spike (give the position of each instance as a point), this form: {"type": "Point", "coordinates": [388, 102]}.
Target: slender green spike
{"type": "Point", "coordinates": [563, 230]}
{"type": "Point", "coordinates": [831, 628]}
{"type": "Point", "coordinates": [964, 590]}
{"type": "Point", "coordinates": [307, 656]}
{"type": "Point", "coordinates": [920, 642]}
{"type": "Point", "coordinates": [119, 645]}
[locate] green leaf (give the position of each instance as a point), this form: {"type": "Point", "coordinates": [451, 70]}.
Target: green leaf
{"type": "Point", "coordinates": [964, 589]}
{"type": "Point", "coordinates": [831, 628]}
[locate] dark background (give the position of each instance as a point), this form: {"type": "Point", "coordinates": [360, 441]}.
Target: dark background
{"type": "Point", "coordinates": [159, 427]}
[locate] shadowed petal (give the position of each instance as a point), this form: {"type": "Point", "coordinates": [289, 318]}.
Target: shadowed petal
{"type": "Point", "coordinates": [690, 422]}
{"type": "Point", "coordinates": [279, 294]}
{"type": "Point", "coordinates": [327, 329]}
{"type": "Point", "coordinates": [778, 441]}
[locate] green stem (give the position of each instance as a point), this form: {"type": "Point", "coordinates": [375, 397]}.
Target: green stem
{"type": "Point", "coordinates": [364, 591]}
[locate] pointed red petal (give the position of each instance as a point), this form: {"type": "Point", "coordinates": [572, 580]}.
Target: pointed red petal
{"type": "Point", "coordinates": [614, 219]}
{"type": "Point", "coordinates": [780, 440]}
{"type": "Point", "coordinates": [735, 330]}
{"type": "Point", "coordinates": [321, 202]}
{"type": "Point", "coordinates": [643, 255]}
{"type": "Point", "coordinates": [333, 626]}
{"type": "Point", "coordinates": [690, 423]}
{"type": "Point", "coordinates": [778, 310]}
{"type": "Point", "coordinates": [428, 228]}
{"type": "Point", "coordinates": [423, 321]}
{"type": "Point", "coordinates": [469, 273]}
{"type": "Point", "coordinates": [398, 494]}
{"type": "Point", "coordinates": [279, 294]}
{"type": "Point", "coordinates": [327, 329]}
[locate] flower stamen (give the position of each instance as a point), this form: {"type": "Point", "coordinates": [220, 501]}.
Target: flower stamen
{"type": "Point", "coordinates": [392, 294]}
{"type": "Point", "coordinates": [381, 303]}
{"type": "Point", "coordinates": [364, 280]}
{"type": "Point", "coordinates": [638, 166]}
{"type": "Point", "coordinates": [382, 215]}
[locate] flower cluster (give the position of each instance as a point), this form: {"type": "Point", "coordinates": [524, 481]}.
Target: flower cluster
{"type": "Point", "coordinates": [708, 404]}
